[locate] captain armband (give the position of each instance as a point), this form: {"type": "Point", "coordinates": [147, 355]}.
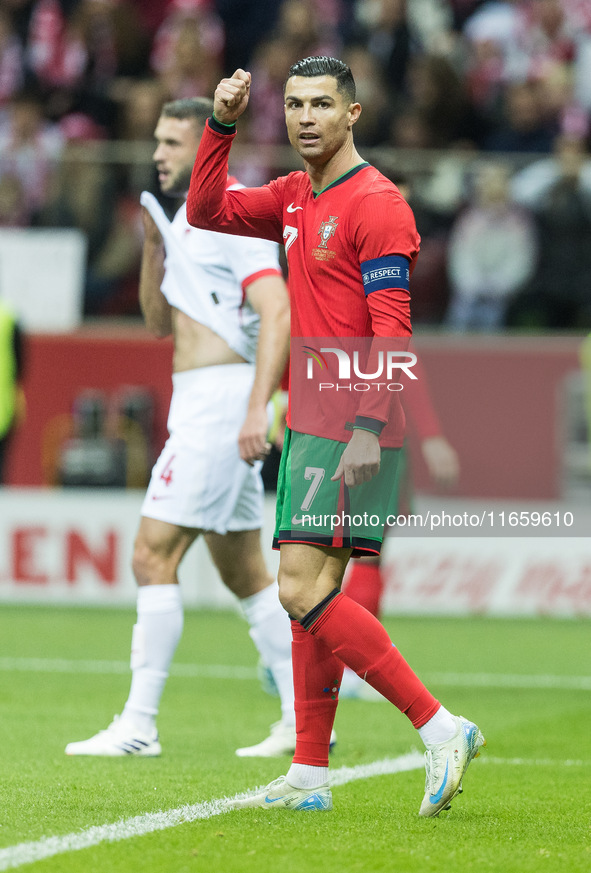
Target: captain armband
{"type": "Point", "coordinates": [390, 271]}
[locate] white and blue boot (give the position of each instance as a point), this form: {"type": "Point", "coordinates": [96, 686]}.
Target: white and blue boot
{"type": "Point", "coordinates": [279, 794]}
{"type": "Point", "coordinates": [445, 765]}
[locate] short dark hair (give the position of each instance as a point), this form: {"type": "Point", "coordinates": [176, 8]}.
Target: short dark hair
{"type": "Point", "coordinates": [196, 108]}
{"type": "Point", "coordinates": [321, 65]}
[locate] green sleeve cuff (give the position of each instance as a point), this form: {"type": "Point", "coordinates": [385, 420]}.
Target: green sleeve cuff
{"type": "Point", "coordinates": [372, 425]}
{"type": "Point", "coordinates": [220, 127]}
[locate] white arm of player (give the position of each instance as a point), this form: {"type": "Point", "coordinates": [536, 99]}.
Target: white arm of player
{"type": "Point", "coordinates": [155, 307]}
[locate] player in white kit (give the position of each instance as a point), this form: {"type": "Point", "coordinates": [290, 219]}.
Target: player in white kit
{"type": "Point", "coordinates": [225, 302]}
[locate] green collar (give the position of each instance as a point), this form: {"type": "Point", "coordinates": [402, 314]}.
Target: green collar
{"type": "Point", "coordinates": [342, 178]}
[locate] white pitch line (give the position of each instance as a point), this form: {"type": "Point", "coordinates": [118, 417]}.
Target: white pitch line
{"type": "Point", "coordinates": [27, 853]}
{"type": "Point", "coordinates": [511, 680]}
{"type": "Point", "coordinates": [229, 671]}
{"type": "Point", "coordinates": [533, 762]}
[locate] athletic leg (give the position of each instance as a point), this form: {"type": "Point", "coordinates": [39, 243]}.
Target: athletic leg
{"type": "Point", "coordinates": [317, 671]}
{"type": "Point", "coordinates": [364, 583]}
{"type": "Point", "coordinates": [159, 549]}
{"type": "Point", "coordinates": [158, 552]}
{"type": "Point", "coordinates": [350, 631]}
{"type": "Point", "coordinates": [361, 642]}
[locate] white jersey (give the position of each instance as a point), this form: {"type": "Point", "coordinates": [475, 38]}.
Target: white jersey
{"type": "Point", "coordinates": [207, 274]}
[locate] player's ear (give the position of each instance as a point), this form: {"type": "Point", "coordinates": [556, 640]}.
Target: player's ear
{"type": "Point", "coordinates": [353, 112]}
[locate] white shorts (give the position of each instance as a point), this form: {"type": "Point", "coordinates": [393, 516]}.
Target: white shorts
{"type": "Point", "coordinates": [199, 480]}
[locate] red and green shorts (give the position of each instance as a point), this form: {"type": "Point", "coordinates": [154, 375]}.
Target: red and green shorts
{"type": "Point", "coordinates": [314, 510]}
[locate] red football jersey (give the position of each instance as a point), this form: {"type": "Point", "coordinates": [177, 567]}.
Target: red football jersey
{"type": "Point", "coordinates": [350, 250]}
{"type": "Point", "coordinates": [328, 236]}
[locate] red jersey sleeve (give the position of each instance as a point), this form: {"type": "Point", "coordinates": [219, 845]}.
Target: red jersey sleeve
{"type": "Point", "coordinates": [390, 312]}
{"type": "Point", "coordinates": [384, 225]}
{"type": "Point", "coordinates": [255, 212]}
{"type": "Point", "coordinates": [385, 232]}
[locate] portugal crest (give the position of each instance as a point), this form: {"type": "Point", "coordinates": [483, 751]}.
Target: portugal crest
{"type": "Point", "coordinates": [326, 230]}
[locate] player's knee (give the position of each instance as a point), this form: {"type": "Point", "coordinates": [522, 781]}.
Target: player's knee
{"type": "Point", "coordinates": [145, 563]}
{"type": "Point", "coordinates": [293, 596]}
{"type": "Point", "coordinates": [245, 580]}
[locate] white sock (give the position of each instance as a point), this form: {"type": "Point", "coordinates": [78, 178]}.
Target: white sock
{"type": "Point", "coordinates": [155, 638]}
{"type": "Point", "coordinates": [439, 729]}
{"type": "Point", "coordinates": [306, 776]}
{"type": "Point", "coordinates": [270, 630]}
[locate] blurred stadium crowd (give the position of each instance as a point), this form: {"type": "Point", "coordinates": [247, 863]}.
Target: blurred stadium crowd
{"type": "Point", "coordinates": [479, 109]}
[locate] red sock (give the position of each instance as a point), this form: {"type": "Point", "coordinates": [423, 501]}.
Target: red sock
{"type": "Point", "coordinates": [364, 584]}
{"type": "Point", "coordinates": [361, 642]}
{"type": "Point", "coordinates": [317, 675]}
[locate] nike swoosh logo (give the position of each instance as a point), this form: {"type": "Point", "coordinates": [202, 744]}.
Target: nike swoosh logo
{"type": "Point", "coordinates": [274, 799]}
{"type": "Point", "coordinates": [292, 208]}
{"type": "Point", "coordinates": [161, 496]}
{"type": "Point", "coordinates": [296, 520]}
{"type": "Point", "coordinates": [435, 798]}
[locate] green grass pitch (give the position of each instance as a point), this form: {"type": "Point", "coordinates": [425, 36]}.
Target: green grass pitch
{"type": "Point", "coordinates": [527, 799]}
